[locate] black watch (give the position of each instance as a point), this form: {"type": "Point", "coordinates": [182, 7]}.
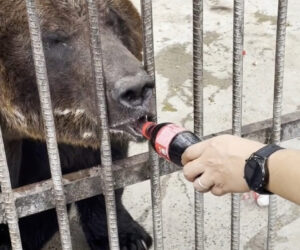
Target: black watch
{"type": "Point", "coordinates": [256, 169]}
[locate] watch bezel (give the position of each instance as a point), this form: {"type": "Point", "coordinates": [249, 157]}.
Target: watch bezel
{"type": "Point", "coordinates": [256, 181]}
{"type": "Point", "coordinates": [256, 171]}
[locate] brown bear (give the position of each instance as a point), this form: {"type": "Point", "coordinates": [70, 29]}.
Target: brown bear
{"type": "Point", "coordinates": [65, 35]}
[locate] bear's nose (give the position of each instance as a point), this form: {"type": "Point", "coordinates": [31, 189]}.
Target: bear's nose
{"type": "Point", "coordinates": [134, 91]}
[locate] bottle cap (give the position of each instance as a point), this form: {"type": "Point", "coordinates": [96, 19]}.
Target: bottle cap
{"type": "Point", "coordinates": [145, 128]}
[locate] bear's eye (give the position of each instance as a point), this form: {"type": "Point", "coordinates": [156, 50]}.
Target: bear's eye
{"type": "Point", "coordinates": [54, 39]}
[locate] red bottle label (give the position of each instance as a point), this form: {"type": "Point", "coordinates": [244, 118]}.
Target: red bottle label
{"type": "Point", "coordinates": [164, 138]}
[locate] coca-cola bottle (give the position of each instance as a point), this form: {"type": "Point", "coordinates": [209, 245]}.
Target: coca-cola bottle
{"type": "Point", "coordinates": [169, 140]}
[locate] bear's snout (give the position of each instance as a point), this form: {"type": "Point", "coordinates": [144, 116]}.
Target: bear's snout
{"type": "Point", "coordinates": [134, 91]}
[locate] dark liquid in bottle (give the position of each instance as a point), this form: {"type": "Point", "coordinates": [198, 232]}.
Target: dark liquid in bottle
{"type": "Point", "coordinates": [169, 140]}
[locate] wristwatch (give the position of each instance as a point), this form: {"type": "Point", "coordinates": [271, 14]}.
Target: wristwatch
{"type": "Point", "coordinates": [256, 169]}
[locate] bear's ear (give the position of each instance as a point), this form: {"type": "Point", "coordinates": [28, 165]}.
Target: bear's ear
{"type": "Point", "coordinates": [132, 25]}
{"type": "Point", "coordinates": [78, 7]}
{"type": "Point", "coordinates": [68, 3]}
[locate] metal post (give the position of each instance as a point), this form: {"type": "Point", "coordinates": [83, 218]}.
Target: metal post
{"type": "Point", "coordinates": [238, 42]}
{"type": "Point", "coordinates": [49, 126]}
{"type": "Point", "coordinates": [149, 65]}
{"type": "Point", "coordinates": [277, 106]}
{"type": "Point", "coordinates": [105, 147]}
{"type": "Point", "coordinates": [9, 199]}
{"type": "Point", "coordinates": [198, 110]}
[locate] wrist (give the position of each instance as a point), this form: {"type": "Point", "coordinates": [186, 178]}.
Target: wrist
{"type": "Point", "coordinates": [274, 165]}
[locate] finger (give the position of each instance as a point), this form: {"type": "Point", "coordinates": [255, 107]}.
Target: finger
{"type": "Point", "coordinates": [204, 183]}
{"type": "Point", "coordinates": [193, 152]}
{"type": "Point", "coordinates": [217, 191]}
{"type": "Point", "coordinates": [193, 169]}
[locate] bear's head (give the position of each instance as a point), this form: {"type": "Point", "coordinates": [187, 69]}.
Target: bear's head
{"type": "Point", "coordinates": [65, 34]}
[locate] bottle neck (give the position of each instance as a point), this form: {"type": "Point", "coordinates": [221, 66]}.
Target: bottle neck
{"type": "Point", "coordinates": [147, 129]}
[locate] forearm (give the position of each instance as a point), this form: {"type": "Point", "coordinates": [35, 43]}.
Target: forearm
{"type": "Point", "coordinates": [218, 164]}
{"type": "Point", "coordinates": [284, 170]}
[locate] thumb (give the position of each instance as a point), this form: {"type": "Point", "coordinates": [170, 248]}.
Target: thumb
{"type": "Point", "coordinates": [193, 152]}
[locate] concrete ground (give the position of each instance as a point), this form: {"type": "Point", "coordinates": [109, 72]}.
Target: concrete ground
{"type": "Point", "coordinates": [173, 51]}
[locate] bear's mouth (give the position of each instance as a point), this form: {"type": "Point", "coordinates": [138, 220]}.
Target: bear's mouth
{"type": "Point", "coordinates": [132, 127]}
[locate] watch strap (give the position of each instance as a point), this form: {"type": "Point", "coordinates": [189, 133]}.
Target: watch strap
{"type": "Point", "coordinates": [256, 169]}
{"type": "Point", "coordinates": [266, 151]}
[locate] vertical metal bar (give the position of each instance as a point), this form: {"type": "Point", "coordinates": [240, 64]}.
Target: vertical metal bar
{"type": "Point", "coordinates": [238, 43]}
{"type": "Point", "coordinates": [198, 110]}
{"type": "Point", "coordinates": [149, 65]}
{"type": "Point", "coordinates": [48, 119]}
{"type": "Point", "coordinates": [8, 199]}
{"type": "Point", "coordinates": [277, 105]}
{"type": "Point", "coordinates": [105, 146]}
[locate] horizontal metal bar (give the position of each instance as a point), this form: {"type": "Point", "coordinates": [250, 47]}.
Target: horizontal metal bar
{"type": "Point", "coordinates": [38, 197]}
{"type": "Point", "coordinates": [262, 131]}
{"type": "Point", "coordinates": [83, 184]}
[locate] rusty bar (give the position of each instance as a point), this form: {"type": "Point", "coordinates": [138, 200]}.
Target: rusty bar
{"type": "Point", "coordinates": [38, 197]}
{"type": "Point", "coordinates": [198, 110]}
{"type": "Point", "coordinates": [8, 200]}
{"type": "Point", "coordinates": [49, 126]}
{"type": "Point", "coordinates": [88, 183]}
{"type": "Point", "coordinates": [149, 64]}
{"type": "Point", "coordinates": [106, 158]}
{"type": "Point", "coordinates": [277, 106]}
{"type": "Point", "coordinates": [238, 43]}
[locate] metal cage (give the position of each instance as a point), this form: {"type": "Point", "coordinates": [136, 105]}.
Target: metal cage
{"type": "Point", "coordinates": [57, 192]}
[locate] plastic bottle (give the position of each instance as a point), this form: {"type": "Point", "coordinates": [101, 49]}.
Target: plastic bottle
{"type": "Point", "coordinates": [169, 140]}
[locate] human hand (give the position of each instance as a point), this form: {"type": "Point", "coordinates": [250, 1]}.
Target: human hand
{"type": "Point", "coordinates": [220, 163]}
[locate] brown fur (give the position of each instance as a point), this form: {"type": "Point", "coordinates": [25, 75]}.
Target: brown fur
{"type": "Point", "coordinates": [71, 17]}
{"type": "Point", "coordinates": [65, 34]}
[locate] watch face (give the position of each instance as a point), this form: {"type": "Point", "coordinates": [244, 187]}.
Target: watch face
{"type": "Point", "coordinates": [256, 169]}
{"type": "Point", "coordinates": [257, 179]}
{"type": "Point", "coordinates": [253, 173]}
